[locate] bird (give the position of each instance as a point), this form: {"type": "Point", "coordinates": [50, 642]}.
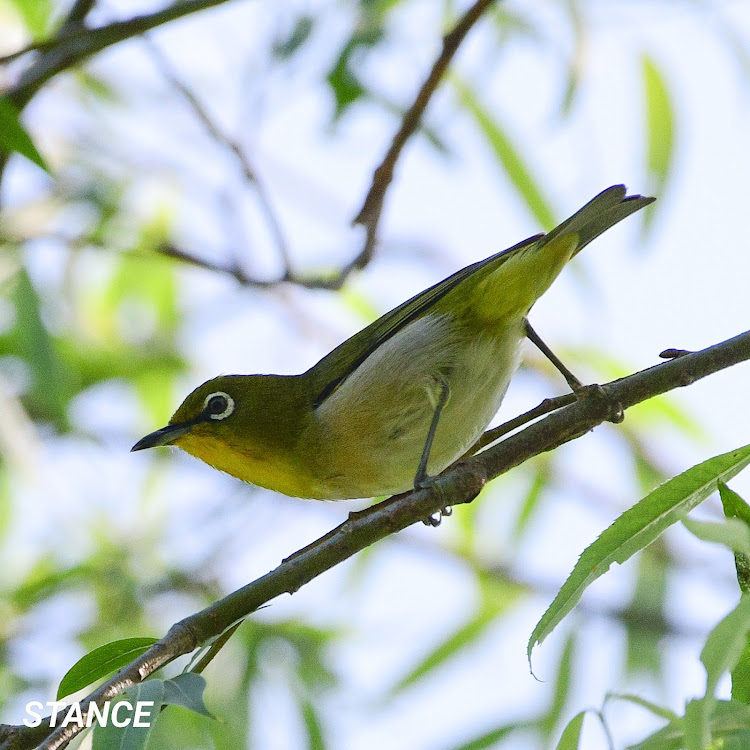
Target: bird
{"type": "Point", "coordinates": [402, 399]}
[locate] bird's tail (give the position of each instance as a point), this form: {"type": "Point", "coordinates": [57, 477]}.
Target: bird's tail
{"type": "Point", "coordinates": [509, 283]}
{"type": "Point", "coordinates": [598, 215]}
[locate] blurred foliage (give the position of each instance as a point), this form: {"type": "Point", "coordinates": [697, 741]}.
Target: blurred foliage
{"type": "Point", "coordinates": [89, 300]}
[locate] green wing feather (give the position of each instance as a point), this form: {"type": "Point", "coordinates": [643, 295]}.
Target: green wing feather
{"type": "Point", "coordinates": [598, 215]}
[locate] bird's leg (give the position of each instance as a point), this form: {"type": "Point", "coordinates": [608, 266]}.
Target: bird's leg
{"type": "Point", "coordinates": [574, 383]}
{"type": "Point", "coordinates": [421, 480]}
{"type": "Point", "coordinates": [580, 390]}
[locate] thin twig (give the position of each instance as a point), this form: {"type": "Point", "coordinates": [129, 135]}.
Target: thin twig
{"type": "Point", "coordinates": [372, 207]}
{"type": "Point", "coordinates": [72, 25]}
{"type": "Point", "coordinates": [369, 214]}
{"type": "Point", "coordinates": [545, 407]}
{"type": "Point", "coordinates": [76, 16]}
{"type": "Point", "coordinates": [224, 140]}
{"type": "Point", "coordinates": [68, 50]}
{"type": "Point", "coordinates": [74, 46]}
{"type": "Point", "coordinates": [459, 484]}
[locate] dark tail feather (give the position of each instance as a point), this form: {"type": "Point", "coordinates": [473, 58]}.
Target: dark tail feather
{"type": "Point", "coordinates": [599, 214]}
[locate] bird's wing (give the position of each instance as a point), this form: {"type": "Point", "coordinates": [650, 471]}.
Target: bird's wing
{"type": "Point", "coordinates": [599, 214]}
{"type": "Point", "coordinates": [332, 370]}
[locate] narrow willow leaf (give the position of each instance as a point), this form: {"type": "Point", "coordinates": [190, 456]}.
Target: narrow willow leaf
{"type": "Point", "coordinates": [489, 740]}
{"type": "Point", "coordinates": [50, 390]}
{"type": "Point", "coordinates": [539, 484]}
{"type": "Point", "coordinates": [571, 735]}
{"type": "Point", "coordinates": [668, 738]}
{"type": "Point", "coordinates": [735, 507]}
{"type": "Point", "coordinates": [313, 725]}
{"type": "Point", "coordinates": [497, 597]}
{"type": "Point", "coordinates": [731, 533]}
{"type": "Point", "coordinates": [131, 736]}
{"type": "Point", "coordinates": [654, 708]}
{"type": "Point", "coordinates": [725, 644]}
{"type": "Point", "coordinates": [636, 528]}
{"type": "Point", "coordinates": [563, 682]}
{"type": "Point", "coordinates": [576, 66]}
{"type": "Point", "coordinates": [13, 136]}
{"type": "Point", "coordinates": [508, 157]}
{"type": "Point", "coordinates": [644, 620]}
{"type": "Point", "coordinates": [100, 662]}
{"type": "Point", "coordinates": [741, 676]}
{"type": "Point", "coordinates": [659, 130]}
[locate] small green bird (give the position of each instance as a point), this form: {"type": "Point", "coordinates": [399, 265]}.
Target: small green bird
{"type": "Point", "coordinates": [402, 399]}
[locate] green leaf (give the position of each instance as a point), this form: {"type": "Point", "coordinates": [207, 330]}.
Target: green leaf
{"type": "Point", "coordinates": [497, 597]}
{"type": "Point", "coordinates": [725, 644]}
{"type": "Point", "coordinates": [101, 662]}
{"type": "Point", "coordinates": [508, 156]}
{"type": "Point", "coordinates": [32, 341]}
{"type": "Point", "coordinates": [490, 739]}
{"type": "Point", "coordinates": [735, 507]}
{"type": "Point", "coordinates": [13, 136]}
{"type": "Point", "coordinates": [644, 616]}
{"type": "Point", "coordinates": [285, 48]}
{"type": "Point", "coordinates": [729, 722]}
{"type": "Point", "coordinates": [576, 66]}
{"type": "Point", "coordinates": [659, 131]}
{"type": "Point", "coordinates": [741, 676]}
{"type": "Point", "coordinates": [572, 733]}
{"type": "Point", "coordinates": [732, 533]}
{"type": "Point", "coordinates": [660, 711]}
{"type": "Point", "coordinates": [186, 690]}
{"type": "Point", "coordinates": [36, 15]}
{"type": "Point", "coordinates": [130, 737]}
{"type": "Point", "coordinates": [723, 649]}
{"type": "Point", "coordinates": [638, 527]}
{"type": "Point", "coordinates": [563, 682]}
{"type": "Point", "coordinates": [539, 484]}
{"type": "Point", "coordinates": [313, 725]}
{"type": "Point", "coordinates": [342, 78]}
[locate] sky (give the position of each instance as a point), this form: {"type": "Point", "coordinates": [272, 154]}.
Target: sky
{"type": "Point", "coordinates": [684, 287]}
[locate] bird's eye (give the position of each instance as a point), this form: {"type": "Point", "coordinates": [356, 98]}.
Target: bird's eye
{"type": "Point", "coordinates": [219, 405]}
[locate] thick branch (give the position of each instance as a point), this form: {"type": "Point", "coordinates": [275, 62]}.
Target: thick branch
{"type": "Point", "coordinates": [459, 484]}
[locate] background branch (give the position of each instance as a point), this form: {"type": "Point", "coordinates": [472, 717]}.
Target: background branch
{"type": "Point", "coordinates": [75, 43]}
{"type": "Point", "coordinates": [219, 136]}
{"type": "Point", "coordinates": [459, 484]}
{"type": "Point", "coordinates": [68, 49]}
{"type": "Point", "coordinates": [372, 208]}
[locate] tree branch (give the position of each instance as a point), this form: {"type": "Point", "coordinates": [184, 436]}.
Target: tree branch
{"type": "Point", "coordinates": [372, 208]}
{"type": "Point", "coordinates": [221, 138]}
{"type": "Point", "coordinates": [68, 49]}
{"type": "Point", "coordinates": [461, 483]}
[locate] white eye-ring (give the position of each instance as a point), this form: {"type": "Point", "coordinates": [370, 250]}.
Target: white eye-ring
{"type": "Point", "coordinates": [218, 405]}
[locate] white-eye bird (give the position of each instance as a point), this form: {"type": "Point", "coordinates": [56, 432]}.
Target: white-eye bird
{"type": "Point", "coordinates": [402, 399]}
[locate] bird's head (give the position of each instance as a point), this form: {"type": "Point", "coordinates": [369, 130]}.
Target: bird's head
{"type": "Point", "coordinates": [213, 411]}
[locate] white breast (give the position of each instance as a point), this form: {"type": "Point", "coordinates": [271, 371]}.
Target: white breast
{"type": "Point", "coordinates": [371, 431]}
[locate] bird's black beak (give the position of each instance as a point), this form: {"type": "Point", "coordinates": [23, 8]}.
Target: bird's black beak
{"type": "Point", "coordinates": [165, 436]}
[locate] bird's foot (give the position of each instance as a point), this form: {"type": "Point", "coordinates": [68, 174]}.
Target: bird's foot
{"type": "Point", "coordinates": [428, 483]}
